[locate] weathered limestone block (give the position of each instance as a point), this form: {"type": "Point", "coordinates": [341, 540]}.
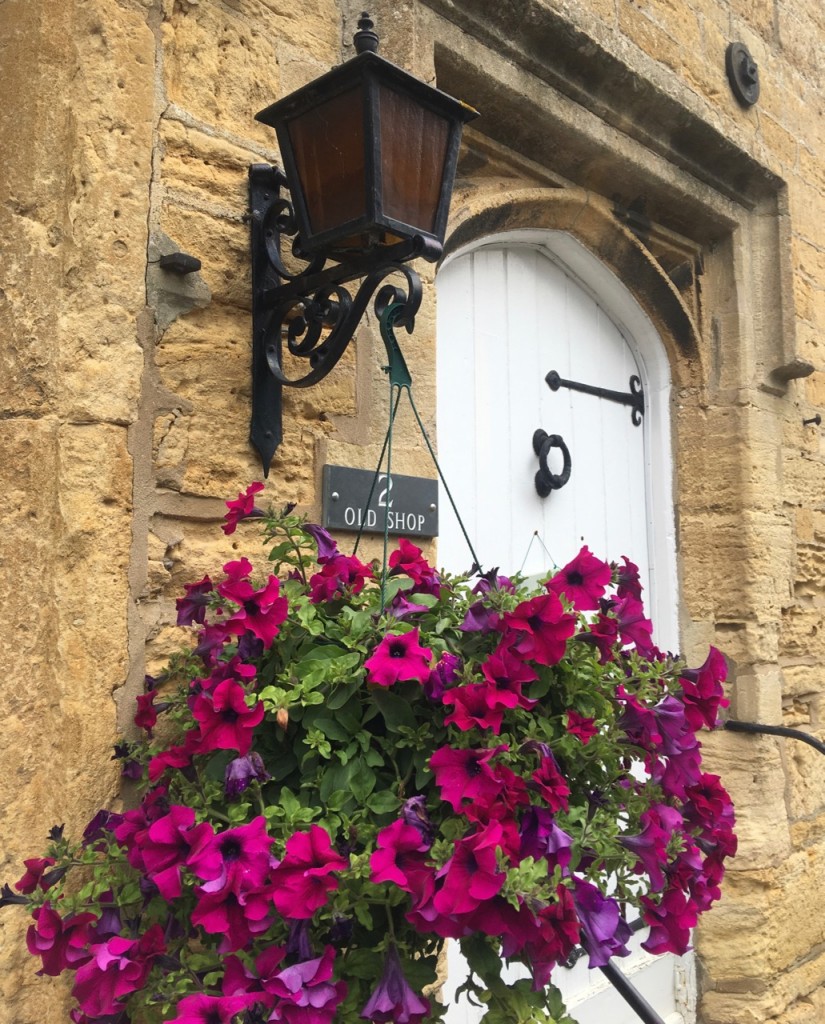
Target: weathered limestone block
{"type": "Point", "coordinates": [806, 780]}
{"type": "Point", "coordinates": [202, 446]}
{"type": "Point", "coordinates": [222, 65]}
{"type": "Point", "coordinates": [803, 635]}
{"type": "Point", "coordinates": [752, 771]}
{"type": "Point", "coordinates": [207, 169]}
{"type": "Point", "coordinates": [717, 484]}
{"type": "Point", "coordinates": [222, 246]}
{"type": "Point", "coordinates": [105, 227]}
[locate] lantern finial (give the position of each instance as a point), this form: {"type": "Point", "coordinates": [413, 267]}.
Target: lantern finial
{"type": "Point", "coordinates": [366, 38]}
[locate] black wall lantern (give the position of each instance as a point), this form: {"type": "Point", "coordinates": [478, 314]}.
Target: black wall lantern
{"type": "Point", "coordinates": [369, 155]}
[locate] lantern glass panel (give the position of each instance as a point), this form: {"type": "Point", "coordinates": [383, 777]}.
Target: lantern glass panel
{"type": "Point", "coordinates": [328, 147]}
{"type": "Point", "coordinates": [413, 151]}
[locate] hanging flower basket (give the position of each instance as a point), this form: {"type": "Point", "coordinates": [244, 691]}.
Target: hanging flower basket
{"type": "Point", "coordinates": [354, 770]}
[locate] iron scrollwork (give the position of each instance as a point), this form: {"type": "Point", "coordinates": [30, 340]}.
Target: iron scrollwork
{"type": "Point", "coordinates": [311, 314]}
{"type": "Point", "coordinates": [546, 481]}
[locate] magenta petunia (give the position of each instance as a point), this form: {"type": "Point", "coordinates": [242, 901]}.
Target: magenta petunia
{"type": "Point", "coordinates": [260, 611]}
{"type": "Point", "coordinates": [399, 658]}
{"type": "Point", "coordinates": [61, 943]}
{"type": "Point", "coordinates": [205, 1009]}
{"type": "Point", "coordinates": [192, 608]}
{"type": "Point", "coordinates": [506, 675]}
{"type": "Point", "coordinates": [33, 878]}
{"type": "Point", "coordinates": [628, 583]}
{"type": "Point", "coordinates": [304, 878]}
{"type": "Point", "coordinates": [305, 992]}
{"type": "Point", "coordinates": [581, 727]}
{"type": "Point", "coordinates": [226, 721]}
{"type": "Point", "coordinates": [146, 716]}
{"type": "Point", "coordinates": [539, 629]}
{"type": "Point", "coordinates": [670, 920]}
{"type": "Point", "coordinates": [551, 784]}
{"type": "Point", "coordinates": [409, 560]}
{"type": "Point", "coordinates": [165, 847]}
{"type": "Point", "coordinates": [237, 858]}
{"type": "Point", "coordinates": [242, 507]}
{"type": "Point", "coordinates": [472, 875]}
{"type": "Point", "coordinates": [473, 708]}
{"type": "Point", "coordinates": [400, 857]}
{"type": "Point", "coordinates": [236, 915]}
{"type": "Point", "coordinates": [582, 581]}
{"type": "Point", "coordinates": [634, 627]}
{"type": "Point", "coordinates": [702, 691]}
{"type": "Point", "coordinates": [117, 968]}
{"type": "Point", "coordinates": [465, 776]}
{"type": "Point", "coordinates": [339, 575]}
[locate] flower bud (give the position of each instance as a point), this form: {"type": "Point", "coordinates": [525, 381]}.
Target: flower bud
{"type": "Point", "coordinates": [282, 717]}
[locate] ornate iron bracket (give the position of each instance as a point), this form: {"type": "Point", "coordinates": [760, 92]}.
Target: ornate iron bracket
{"type": "Point", "coordinates": [309, 315]}
{"type": "Point", "coordinates": [545, 480]}
{"type": "Point", "coordinates": [635, 398]}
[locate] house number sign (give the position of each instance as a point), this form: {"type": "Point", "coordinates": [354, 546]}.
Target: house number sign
{"type": "Point", "coordinates": [409, 503]}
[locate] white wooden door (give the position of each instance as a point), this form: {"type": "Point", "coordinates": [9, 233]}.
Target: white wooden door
{"type": "Point", "coordinates": [509, 311]}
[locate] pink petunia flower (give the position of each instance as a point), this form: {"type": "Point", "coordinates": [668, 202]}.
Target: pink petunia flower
{"type": "Point", "coordinates": [582, 581]}
{"type": "Point", "coordinates": [340, 574]}
{"type": "Point", "coordinates": [165, 846]}
{"type": "Point", "coordinates": [400, 857]}
{"type": "Point", "coordinates": [33, 878]}
{"type": "Point", "coordinates": [409, 560]}
{"type": "Point", "coordinates": [399, 658]}
{"type": "Point", "coordinates": [472, 708]}
{"type": "Point", "coordinates": [305, 875]}
{"type": "Point", "coordinates": [551, 784]}
{"type": "Point", "coordinates": [204, 1009]}
{"type": "Point", "coordinates": [117, 968]}
{"type": "Point", "coordinates": [466, 775]}
{"type": "Point", "coordinates": [238, 916]}
{"type": "Point", "coordinates": [243, 507]}
{"type": "Point", "coordinates": [260, 611]}
{"type": "Point", "coordinates": [305, 992]}
{"type": "Point", "coordinates": [581, 726]}
{"type": "Point", "coordinates": [702, 691]}
{"type": "Point", "coordinates": [226, 721]}
{"type": "Point", "coordinates": [471, 876]}
{"type": "Point", "coordinates": [539, 629]}
{"type": "Point", "coordinates": [670, 922]}
{"type": "Point", "coordinates": [237, 858]}
{"type": "Point", "coordinates": [61, 943]}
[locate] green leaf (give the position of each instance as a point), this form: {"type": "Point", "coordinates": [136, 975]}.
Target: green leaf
{"type": "Point", "coordinates": [341, 694]}
{"type": "Point", "coordinates": [383, 802]}
{"type": "Point", "coordinates": [395, 710]}
{"type": "Point", "coordinates": [331, 728]}
{"type": "Point", "coordinates": [362, 912]}
{"type": "Point", "coordinates": [362, 780]}
{"type": "Point", "coordinates": [483, 960]}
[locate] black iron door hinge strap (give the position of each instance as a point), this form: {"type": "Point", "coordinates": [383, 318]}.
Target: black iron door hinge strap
{"type": "Point", "coordinates": [635, 398]}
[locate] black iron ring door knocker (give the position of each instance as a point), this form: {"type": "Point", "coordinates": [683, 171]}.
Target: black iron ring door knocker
{"type": "Point", "coordinates": [546, 481]}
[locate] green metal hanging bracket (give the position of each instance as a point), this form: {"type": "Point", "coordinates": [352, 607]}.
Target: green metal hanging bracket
{"type": "Point", "coordinates": [400, 376]}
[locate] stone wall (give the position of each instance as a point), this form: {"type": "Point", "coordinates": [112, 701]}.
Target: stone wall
{"type": "Point", "coordinates": [127, 132]}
